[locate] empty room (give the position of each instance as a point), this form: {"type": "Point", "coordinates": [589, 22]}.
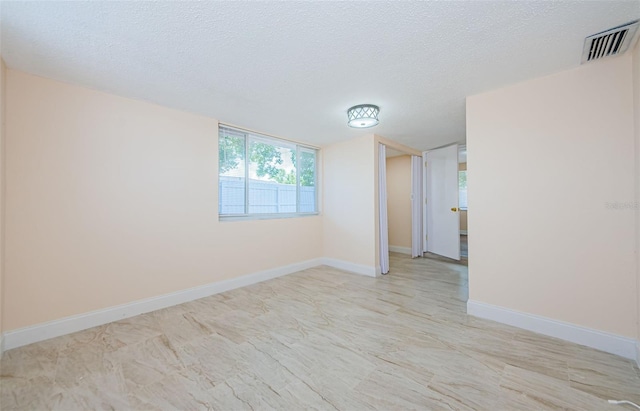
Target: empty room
{"type": "Point", "coordinates": [323, 205]}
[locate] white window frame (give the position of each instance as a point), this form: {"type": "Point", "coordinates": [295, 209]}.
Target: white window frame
{"type": "Point", "coordinates": [253, 136]}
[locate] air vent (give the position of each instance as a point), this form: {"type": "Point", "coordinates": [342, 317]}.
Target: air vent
{"type": "Point", "coordinates": [609, 43]}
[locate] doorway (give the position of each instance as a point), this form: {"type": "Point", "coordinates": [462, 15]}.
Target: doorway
{"type": "Point", "coordinates": [400, 202]}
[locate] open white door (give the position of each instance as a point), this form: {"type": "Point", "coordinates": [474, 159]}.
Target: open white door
{"type": "Point", "coordinates": [443, 220]}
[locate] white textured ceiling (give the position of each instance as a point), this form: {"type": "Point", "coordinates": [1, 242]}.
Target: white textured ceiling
{"type": "Point", "coordinates": [293, 68]}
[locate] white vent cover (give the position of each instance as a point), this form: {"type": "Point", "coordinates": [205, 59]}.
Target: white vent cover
{"type": "Point", "coordinates": [609, 43]}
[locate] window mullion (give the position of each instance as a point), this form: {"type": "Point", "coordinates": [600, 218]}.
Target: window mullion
{"type": "Point", "coordinates": [298, 166]}
{"type": "Point", "coordinates": [246, 174]}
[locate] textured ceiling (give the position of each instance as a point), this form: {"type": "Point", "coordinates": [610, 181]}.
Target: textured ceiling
{"type": "Point", "coordinates": [293, 68]}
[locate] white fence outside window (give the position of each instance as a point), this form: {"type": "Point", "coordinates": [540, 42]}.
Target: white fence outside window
{"type": "Point", "coordinates": [265, 197]}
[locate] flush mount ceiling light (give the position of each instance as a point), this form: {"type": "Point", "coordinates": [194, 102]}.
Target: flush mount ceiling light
{"type": "Point", "coordinates": [363, 115]}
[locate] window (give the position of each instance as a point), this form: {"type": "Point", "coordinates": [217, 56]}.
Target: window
{"type": "Point", "coordinates": [263, 176]}
{"type": "Point", "coordinates": [462, 187]}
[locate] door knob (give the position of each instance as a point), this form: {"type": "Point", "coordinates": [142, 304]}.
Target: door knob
{"type": "Point", "coordinates": [454, 209]}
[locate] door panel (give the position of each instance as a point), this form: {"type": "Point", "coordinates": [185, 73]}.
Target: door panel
{"type": "Point", "coordinates": [443, 220]}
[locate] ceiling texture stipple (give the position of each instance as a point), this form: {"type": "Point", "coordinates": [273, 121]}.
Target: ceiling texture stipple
{"type": "Point", "coordinates": [293, 68]}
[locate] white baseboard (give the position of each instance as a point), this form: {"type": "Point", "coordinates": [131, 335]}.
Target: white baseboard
{"type": "Point", "coordinates": [56, 328]}
{"type": "Point", "coordinates": [401, 250]}
{"type": "Point", "coordinates": [463, 232]}
{"type": "Point", "coordinates": [612, 343]}
{"type": "Point", "coordinates": [351, 267]}
{"type": "Point", "coordinates": [68, 325]}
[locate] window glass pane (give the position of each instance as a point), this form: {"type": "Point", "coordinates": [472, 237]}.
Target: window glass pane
{"type": "Point", "coordinates": [462, 185]}
{"type": "Point", "coordinates": [307, 172]}
{"type": "Point", "coordinates": [272, 177]}
{"type": "Point", "coordinates": [265, 175]}
{"type": "Point", "coordinates": [231, 167]}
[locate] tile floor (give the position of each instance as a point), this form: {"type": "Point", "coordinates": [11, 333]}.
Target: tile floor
{"type": "Point", "coordinates": [318, 339]}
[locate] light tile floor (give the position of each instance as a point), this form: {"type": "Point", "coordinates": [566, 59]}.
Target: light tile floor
{"type": "Point", "coordinates": [318, 339]}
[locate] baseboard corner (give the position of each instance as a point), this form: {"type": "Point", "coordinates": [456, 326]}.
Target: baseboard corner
{"type": "Point", "coordinates": [399, 249]}
{"type": "Point", "coordinates": [361, 269]}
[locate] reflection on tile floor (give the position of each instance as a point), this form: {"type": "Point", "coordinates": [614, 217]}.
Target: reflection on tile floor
{"type": "Point", "coordinates": [318, 339]}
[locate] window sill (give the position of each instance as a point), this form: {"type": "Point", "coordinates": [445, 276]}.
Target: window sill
{"type": "Point", "coordinates": [250, 217]}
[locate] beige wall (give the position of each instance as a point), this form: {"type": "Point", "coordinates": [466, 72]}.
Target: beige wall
{"type": "Point", "coordinates": [399, 200]}
{"type": "Point", "coordinates": [559, 149]}
{"type": "Point", "coordinates": [636, 116]}
{"type": "Point", "coordinates": [349, 201]}
{"type": "Point", "coordinates": [111, 200]}
{"type": "Point", "coordinates": [2, 199]}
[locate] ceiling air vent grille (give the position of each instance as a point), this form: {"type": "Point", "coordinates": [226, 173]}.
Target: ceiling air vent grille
{"type": "Point", "coordinates": [609, 43]}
